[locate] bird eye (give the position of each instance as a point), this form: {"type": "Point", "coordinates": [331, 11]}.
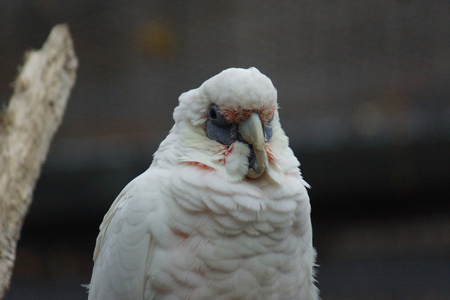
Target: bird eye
{"type": "Point", "coordinates": [215, 116]}
{"type": "Point", "coordinates": [218, 128]}
{"type": "Point", "coordinates": [212, 113]}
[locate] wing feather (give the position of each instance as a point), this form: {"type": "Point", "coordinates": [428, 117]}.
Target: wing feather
{"type": "Point", "coordinates": [124, 243]}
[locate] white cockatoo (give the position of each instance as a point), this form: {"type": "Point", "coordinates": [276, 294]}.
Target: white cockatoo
{"type": "Point", "coordinates": [222, 212]}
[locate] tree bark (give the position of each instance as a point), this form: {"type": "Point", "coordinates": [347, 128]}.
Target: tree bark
{"type": "Point", "coordinates": [27, 127]}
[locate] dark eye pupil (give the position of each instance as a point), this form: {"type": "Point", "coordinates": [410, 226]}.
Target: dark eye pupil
{"type": "Point", "coordinates": [212, 113]}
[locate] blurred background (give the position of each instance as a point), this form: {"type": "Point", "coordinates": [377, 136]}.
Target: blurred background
{"type": "Point", "coordinates": [364, 91]}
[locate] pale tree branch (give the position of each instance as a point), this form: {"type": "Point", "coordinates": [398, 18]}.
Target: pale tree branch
{"type": "Point", "coordinates": [27, 127]}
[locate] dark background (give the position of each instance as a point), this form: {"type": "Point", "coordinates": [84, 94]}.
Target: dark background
{"type": "Point", "coordinates": [364, 92]}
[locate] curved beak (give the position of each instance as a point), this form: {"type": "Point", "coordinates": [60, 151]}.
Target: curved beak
{"type": "Point", "coordinates": [252, 132]}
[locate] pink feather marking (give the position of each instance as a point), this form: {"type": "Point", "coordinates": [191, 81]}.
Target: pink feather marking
{"type": "Point", "coordinates": [225, 152]}
{"type": "Point", "coordinates": [182, 235]}
{"type": "Point", "coordinates": [199, 165]}
{"type": "Point", "coordinates": [240, 114]}
{"type": "Point", "coordinates": [270, 155]}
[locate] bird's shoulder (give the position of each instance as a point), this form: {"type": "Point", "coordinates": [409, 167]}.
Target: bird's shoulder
{"type": "Point", "coordinates": [131, 212]}
{"type": "Point", "coordinates": [127, 237]}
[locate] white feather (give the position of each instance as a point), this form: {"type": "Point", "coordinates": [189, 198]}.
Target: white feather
{"type": "Point", "coordinates": [194, 227]}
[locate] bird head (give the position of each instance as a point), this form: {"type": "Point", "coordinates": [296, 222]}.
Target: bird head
{"type": "Point", "coordinates": [230, 124]}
